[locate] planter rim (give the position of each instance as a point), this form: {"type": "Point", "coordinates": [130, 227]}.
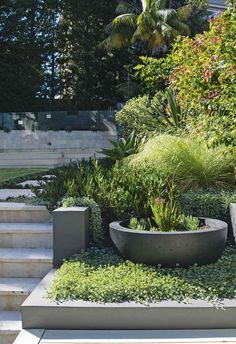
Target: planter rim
{"type": "Point", "coordinates": [117, 225]}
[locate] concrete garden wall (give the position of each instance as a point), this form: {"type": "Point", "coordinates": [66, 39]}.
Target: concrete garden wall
{"type": "Point", "coordinates": [50, 148]}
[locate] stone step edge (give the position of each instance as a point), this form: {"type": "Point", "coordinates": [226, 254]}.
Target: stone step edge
{"type": "Point", "coordinates": [29, 337]}
{"type": "Point", "coordinates": [23, 286]}
{"type": "Point", "coordinates": [11, 206]}
{"type": "Point", "coordinates": [10, 322]}
{"type": "Point", "coordinates": [27, 257]}
{"type": "Point", "coordinates": [33, 336]}
{"type": "Point", "coordinates": [25, 228]}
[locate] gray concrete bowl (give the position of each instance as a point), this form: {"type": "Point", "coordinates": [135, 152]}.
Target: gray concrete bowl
{"type": "Point", "coordinates": [170, 249]}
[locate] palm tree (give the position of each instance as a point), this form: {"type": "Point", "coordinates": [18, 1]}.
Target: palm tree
{"type": "Point", "coordinates": [151, 22]}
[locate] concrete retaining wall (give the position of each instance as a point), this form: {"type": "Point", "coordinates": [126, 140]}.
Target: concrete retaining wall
{"type": "Point", "coordinates": [40, 312]}
{"type": "Point", "coordinates": [50, 148]}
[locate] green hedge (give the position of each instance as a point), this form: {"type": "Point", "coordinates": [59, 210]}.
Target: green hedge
{"type": "Point", "coordinates": [209, 203]}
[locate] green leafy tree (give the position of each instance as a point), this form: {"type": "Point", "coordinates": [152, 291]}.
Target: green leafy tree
{"type": "Point", "coordinates": [89, 74]}
{"type": "Point", "coordinates": [20, 54]}
{"type": "Point", "coordinates": [153, 23]}
{"type": "Point", "coordinates": [27, 53]}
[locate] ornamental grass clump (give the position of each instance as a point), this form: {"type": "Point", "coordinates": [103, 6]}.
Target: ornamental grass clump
{"type": "Point", "coordinates": [192, 164]}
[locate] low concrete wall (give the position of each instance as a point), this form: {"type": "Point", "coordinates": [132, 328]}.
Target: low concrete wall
{"type": "Point", "coordinates": [49, 141]}
{"type": "Point", "coordinates": [50, 148]}
{"type": "Point", "coordinates": [40, 312]}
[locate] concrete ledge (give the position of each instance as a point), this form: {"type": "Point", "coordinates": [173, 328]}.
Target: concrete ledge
{"type": "Point", "coordinates": [40, 312]}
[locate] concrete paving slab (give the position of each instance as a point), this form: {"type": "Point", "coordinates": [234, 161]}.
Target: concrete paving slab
{"type": "Point", "coordinates": [31, 183]}
{"type": "Point", "coordinates": [15, 193]}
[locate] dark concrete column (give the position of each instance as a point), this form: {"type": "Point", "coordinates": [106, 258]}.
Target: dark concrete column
{"type": "Point", "coordinates": [70, 232]}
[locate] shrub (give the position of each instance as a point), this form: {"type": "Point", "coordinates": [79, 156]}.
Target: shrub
{"type": "Point", "coordinates": [95, 219]}
{"type": "Point", "coordinates": [122, 192]}
{"type": "Point", "coordinates": [189, 161]}
{"type": "Point", "coordinates": [153, 74]}
{"type": "Point", "coordinates": [76, 180]}
{"type": "Point", "coordinates": [51, 191]}
{"type": "Point", "coordinates": [208, 203]}
{"type": "Point", "coordinates": [146, 115]}
{"type": "Point", "coordinates": [137, 114]}
{"type": "Point", "coordinates": [204, 75]}
{"type": "Point", "coordinates": [101, 276]}
{"type": "Point", "coordinates": [119, 191]}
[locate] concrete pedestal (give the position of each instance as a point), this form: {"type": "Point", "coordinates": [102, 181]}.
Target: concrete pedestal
{"type": "Point", "coordinates": [70, 232]}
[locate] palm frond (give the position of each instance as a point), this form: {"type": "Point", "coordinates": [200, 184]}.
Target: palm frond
{"type": "Point", "coordinates": [146, 21]}
{"type": "Point", "coordinates": [140, 33]}
{"type": "Point", "coordinates": [127, 7]}
{"type": "Point", "coordinates": [167, 15]}
{"type": "Point", "coordinates": [155, 41]}
{"type": "Point", "coordinates": [128, 19]}
{"type": "Point", "coordinates": [115, 41]}
{"type": "Point", "coordinates": [167, 30]}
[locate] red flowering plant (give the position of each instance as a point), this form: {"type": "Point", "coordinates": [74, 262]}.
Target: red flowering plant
{"type": "Point", "coordinates": [166, 213]}
{"type": "Point", "coordinates": [204, 78]}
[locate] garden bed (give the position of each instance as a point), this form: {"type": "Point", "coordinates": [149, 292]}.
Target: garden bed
{"type": "Point", "coordinates": [102, 276]}
{"type": "Point", "coordinates": [99, 290]}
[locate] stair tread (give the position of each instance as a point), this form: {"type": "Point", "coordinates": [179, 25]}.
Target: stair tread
{"type": "Point", "coordinates": [20, 206]}
{"type": "Point", "coordinates": [27, 227]}
{"type": "Point", "coordinates": [10, 321]}
{"type": "Point", "coordinates": [25, 255]}
{"type": "Point", "coordinates": [17, 286]}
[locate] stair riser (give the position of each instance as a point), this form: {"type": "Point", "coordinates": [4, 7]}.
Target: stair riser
{"type": "Point", "coordinates": [24, 269]}
{"type": "Point", "coordinates": [24, 216]}
{"type": "Point", "coordinates": [26, 240]}
{"type": "Point", "coordinates": [8, 338]}
{"type": "Point", "coordinates": [12, 302]}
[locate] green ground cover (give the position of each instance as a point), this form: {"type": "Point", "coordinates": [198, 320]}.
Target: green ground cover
{"type": "Point", "coordinates": [11, 174]}
{"type": "Point", "coordinates": [101, 276]}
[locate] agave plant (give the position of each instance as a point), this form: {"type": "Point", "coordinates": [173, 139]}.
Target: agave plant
{"type": "Point", "coordinates": [151, 22]}
{"type": "Point", "coordinates": [170, 114]}
{"type": "Point", "coordinates": [122, 148]}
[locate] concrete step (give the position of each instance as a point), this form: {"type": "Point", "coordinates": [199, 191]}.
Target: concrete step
{"type": "Point", "coordinates": [10, 326]}
{"type": "Point", "coordinates": [24, 262]}
{"type": "Point", "coordinates": [26, 235]}
{"type": "Point", "coordinates": [14, 291]}
{"type": "Point", "coordinates": [29, 336]}
{"type": "Point", "coordinates": [41, 336]}
{"type": "Point", "coordinates": [21, 212]}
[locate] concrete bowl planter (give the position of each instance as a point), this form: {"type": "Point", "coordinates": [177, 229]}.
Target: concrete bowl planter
{"type": "Point", "coordinates": [182, 248]}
